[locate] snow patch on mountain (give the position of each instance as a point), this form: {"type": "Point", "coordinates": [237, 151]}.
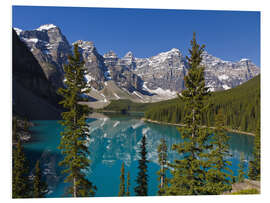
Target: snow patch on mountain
{"type": "Point", "coordinates": [117, 97]}
{"type": "Point", "coordinates": [223, 77]}
{"type": "Point", "coordinates": [137, 94]}
{"type": "Point", "coordinates": [226, 87]}
{"type": "Point", "coordinates": [89, 78]}
{"type": "Point", "coordinates": [46, 27]}
{"type": "Point", "coordinates": [160, 91]}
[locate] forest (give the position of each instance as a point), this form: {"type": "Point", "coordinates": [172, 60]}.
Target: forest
{"type": "Point", "coordinates": [240, 105]}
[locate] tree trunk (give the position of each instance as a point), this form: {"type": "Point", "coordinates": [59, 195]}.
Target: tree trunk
{"type": "Point", "coordinates": [193, 121]}
{"type": "Point", "coordinates": [74, 187]}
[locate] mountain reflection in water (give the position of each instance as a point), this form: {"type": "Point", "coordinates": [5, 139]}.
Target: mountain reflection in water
{"type": "Point", "coordinates": [114, 141]}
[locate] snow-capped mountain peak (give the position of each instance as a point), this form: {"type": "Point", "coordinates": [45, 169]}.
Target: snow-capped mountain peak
{"type": "Point", "coordinates": [46, 27]}
{"type": "Point", "coordinates": [18, 31]}
{"type": "Point", "coordinates": [175, 50]}
{"type": "Point", "coordinates": [85, 45]}
{"type": "Point", "coordinates": [110, 54]}
{"type": "Point", "coordinates": [129, 55]}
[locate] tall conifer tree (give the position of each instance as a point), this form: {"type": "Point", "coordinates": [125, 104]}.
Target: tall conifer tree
{"type": "Point", "coordinates": [20, 173]}
{"type": "Point", "coordinates": [142, 179]}
{"type": "Point", "coordinates": [241, 168]}
{"type": "Point", "coordinates": [255, 164]}
{"type": "Point", "coordinates": [122, 181]}
{"type": "Point", "coordinates": [189, 173]}
{"type": "Point", "coordinates": [74, 137]}
{"type": "Point", "coordinates": [128, 185]}
{"type": "Point", "coordinates": [40, 186]}
{"type": "Point", "coordinates": [162, 159]}
{"type": "Point", "coordinates": [219, 176]}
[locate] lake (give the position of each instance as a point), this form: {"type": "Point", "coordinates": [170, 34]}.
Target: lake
{"type": "Point", "coordinates": [115, 140]}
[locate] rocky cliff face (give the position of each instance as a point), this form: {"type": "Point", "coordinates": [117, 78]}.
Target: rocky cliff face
{"type": "Point", "coordinates": [50, 47]}
{"type": "Point", "coordinates": [223, 75]}
{"type": "Point", "coordinates": [94, 63]}
{"type": "Point", "coordinates": [33, 95]}
{"type": "Point", "coordinates": [165, 70]}
{"type": "Point", "coordinates": [161, 75]}
{"type": "Point", "coordinates": [121, 71]}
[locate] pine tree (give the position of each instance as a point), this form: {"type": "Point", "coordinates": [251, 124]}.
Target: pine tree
{"type": "Point", "coordinates": [162, 159]}
{"type": "Point", "coordinates": [142, 179]}
{"type": "Point", "coordinates": [255, 164]}
{"type": "Point", "coordinates": [122, 181]}
{"type": "Point", "coordinates": [20, 173]}
{"type": "Point", "coordinates": [189, 173]}
{"type": "Point", "coordinates": [241, 167]}
{"type": "Point", "coordinates": [40, 187]}
{"type": "Point", "coordinates": [74, 137]}
{"type": "Point", "coordinates": [128, 185]}
{"type": "Point", "coordinates": [219, 176]}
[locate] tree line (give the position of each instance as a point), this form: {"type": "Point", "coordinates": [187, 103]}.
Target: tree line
{"type": "Point", "coordinates": [240, 107]}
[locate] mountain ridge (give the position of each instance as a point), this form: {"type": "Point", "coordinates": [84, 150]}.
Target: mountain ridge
{"type": "Point", "coordinates": [150, 79]}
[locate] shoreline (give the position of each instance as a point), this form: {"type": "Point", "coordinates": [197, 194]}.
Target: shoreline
{"type": "Point", "coordinates": [182, 125]}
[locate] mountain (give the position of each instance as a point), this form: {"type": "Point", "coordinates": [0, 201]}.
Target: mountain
{"type": "Point", "coordinates": [223, 75]}
{"type": "Point", "coordinates": [51, 49]}
{"type": "Point", "coordinates": [144, 80]}
{"type": "Point", "coordinates": [33, 95]}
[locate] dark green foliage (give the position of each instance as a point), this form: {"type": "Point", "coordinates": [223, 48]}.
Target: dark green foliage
{"type": "Point", "coordinates": [40, 187]}
{"type": "Point", "coordinates": [74, 137]}
{"type": "Point", "coordinates": [241, 167]}
{"type": "Point", "coordinates": [189, 173]}
{"type": "Point", "coordinates": [142, 179]}
{"type": "Point", "coordinates": [163, 162]}
{"type": "Point", "coordinates": [125, 106]}
{"type": "Point", "coordinates": [20, 173]}
{"type": "Point", "coordinates": [219, 176]}
{"type": "Point", "coordinates": [255, 164]}
{"type": "Point", "coordinates": [240, 106]}
{"type": "Point", "coordinates": [128, 185]}
{"type": "Point", "coordinates": [122, 181]}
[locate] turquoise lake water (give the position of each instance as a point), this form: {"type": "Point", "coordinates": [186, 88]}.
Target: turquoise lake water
{"type": "Point", "coordinates": [114, 141]}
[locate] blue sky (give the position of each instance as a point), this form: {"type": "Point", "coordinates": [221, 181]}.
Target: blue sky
{"type": "Point", "coordinates": [229, 35]}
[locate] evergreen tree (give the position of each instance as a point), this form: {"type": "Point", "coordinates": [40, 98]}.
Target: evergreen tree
{"type": "Point", "coordinates": [74, 137]}
{"type": "Point", "coordinates": [219, 176]}
{"type": "Point", "coordinates": [142, 179]}
{"type": "Point", "coordinates": [128, 185]}
{"type": "Point", "coordinates": [162, 159]}
{"type": "Point", "coordinates": [20, 173]}
{"type": "Point", "coordinates": [189, 173]}
{"type": "Point", "coordinates": [40, 187]}
{"type": "Point", "coordinates": [255, 164]}
{"type": "Point", "coordinates": [122, 181]}
{"type": "Point", "coordinates": [241, 167]}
